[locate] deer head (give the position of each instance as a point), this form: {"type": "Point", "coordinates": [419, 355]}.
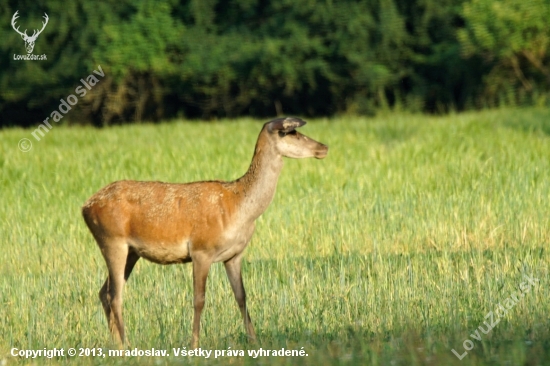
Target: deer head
{"type": "Point", "coordinates": [29, 41]}
{"type": "Point", "coordinates": [291, 143]}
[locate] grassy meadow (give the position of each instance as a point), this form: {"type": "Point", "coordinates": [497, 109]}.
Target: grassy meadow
{"type": "Point", "coordinates": [391, 251]}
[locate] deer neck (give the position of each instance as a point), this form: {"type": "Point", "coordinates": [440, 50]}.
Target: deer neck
{"type": "Point", "coordinates": [257, 187]}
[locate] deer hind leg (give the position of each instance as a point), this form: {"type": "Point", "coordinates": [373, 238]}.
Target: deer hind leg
{"type": "Point", "coordinates": [233, 269]}
{"type": "Point", "coordinates": [120, 262]}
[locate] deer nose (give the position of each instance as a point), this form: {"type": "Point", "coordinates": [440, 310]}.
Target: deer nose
{"type": "Point", "coordinates": [321, 152]}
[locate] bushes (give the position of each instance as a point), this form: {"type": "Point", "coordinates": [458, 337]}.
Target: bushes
{"type": "Point", "coordinates": [212, 58]}
{"type": "Point", "coordinates": [515, 36]}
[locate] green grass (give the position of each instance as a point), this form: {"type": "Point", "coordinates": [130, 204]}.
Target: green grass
{"type": "Point", "coordinates": [390, 251]}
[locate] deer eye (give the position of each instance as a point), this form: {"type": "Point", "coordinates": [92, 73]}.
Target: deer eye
{"type": "Point", "coordinates": [282, 134]}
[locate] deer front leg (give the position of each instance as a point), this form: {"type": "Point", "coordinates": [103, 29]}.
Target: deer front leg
{"type": "Point", "coordinates": [201, 267]}
{"type": "Point", "coordinates": [233, 269]}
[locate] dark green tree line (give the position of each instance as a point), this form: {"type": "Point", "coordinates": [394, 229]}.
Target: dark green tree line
{"type": "Point", "coordinates": [205, 59]}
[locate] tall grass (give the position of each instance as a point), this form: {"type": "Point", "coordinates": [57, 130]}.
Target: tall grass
{"type": "Point", "coordinates": [390, 251]}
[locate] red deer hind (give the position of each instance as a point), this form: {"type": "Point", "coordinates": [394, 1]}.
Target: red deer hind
{"type": "Point", "coordinates": [201, 222]}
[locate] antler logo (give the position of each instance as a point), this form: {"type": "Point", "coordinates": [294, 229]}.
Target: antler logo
{"type": "Point", "coordinates": [29, 41]}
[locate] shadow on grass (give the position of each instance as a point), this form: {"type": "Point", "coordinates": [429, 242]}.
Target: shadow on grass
{"type": "Point", "coordinates": [352, 345]}
{"type": "Point", "coordinates": [410, 348]}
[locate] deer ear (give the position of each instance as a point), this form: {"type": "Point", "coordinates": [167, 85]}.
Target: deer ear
{"type": "Point", "coordinates": [286, 124]}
